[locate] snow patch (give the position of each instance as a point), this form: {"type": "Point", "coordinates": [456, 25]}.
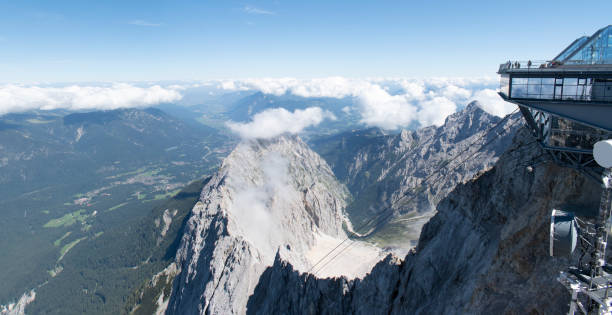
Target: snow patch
{"type": "Point", "coordinates": [167, 220]}
{"type": "Point", "coordinates": [355, 261]}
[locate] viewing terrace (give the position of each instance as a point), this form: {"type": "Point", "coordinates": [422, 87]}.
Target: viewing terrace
{"type": "Point", "coordinates": [567, 101]}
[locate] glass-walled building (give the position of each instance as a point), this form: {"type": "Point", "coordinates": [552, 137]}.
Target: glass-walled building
{"type": "Point", "coordinates": [596, 50]}
{"type": "Point", "coordinates": [580, 75]}
{"type": "Point", "coordinates": [570, 89]}
{"type": "Point", "coordinates": [567, 101]}
{"type": "Point", "coordinates": [572, 48]}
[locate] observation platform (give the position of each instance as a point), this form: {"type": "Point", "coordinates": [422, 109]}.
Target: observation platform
{"type": "Point", "coordinates": [567, 101]}
{"type": "Point", "coordinates": [579, 92]}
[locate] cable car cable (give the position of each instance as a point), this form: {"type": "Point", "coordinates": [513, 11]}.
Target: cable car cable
{"type": "Point", "coordinates": [415, 189]}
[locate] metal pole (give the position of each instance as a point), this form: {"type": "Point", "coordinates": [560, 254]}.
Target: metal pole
{"type": "Point", "coordinates": [573, 303]}
{"type": "Point", "coordinates": [572, 309]}
{"type": "Point", "coordinates": [604, 216]}
{"type": "Point", "coordinates": [602, 226]}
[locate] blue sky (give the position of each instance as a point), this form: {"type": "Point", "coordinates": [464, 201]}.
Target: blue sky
{"type": "Point", "coordinates": [75, 41]}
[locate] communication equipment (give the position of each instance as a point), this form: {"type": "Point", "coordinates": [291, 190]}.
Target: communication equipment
{"type": "Point", "coordinates": [602, 152]}
{"type": "Point", "coordinates": [563, 233]}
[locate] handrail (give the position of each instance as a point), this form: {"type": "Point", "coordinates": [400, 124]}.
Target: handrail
{"type": "Point", "coordinates": [542, 64]}
{"type": "Point", "coordinates": [528, 64]}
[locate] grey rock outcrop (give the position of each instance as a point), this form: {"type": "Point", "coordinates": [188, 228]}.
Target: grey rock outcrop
{"type": "Point", "coordinates": [484, 252]}
{"type": "Point", "coordinates": [402, 177]}
{"type": "Point", "coordinates": [269, 197]}
{"type": "Point", "coordinates": [403, 161]}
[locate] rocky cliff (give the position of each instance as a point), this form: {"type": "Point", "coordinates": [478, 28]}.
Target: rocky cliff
{"type": "Point", "coordinates": [412, 171]}
{"type": "Point", "coordinates": [484, 252]}
{"type": "Point", "coordinates": [270, 197]}
{"type": "Point", "coordinates": [405, 160]}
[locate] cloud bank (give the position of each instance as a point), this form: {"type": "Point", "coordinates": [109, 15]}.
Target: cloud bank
{"type": "Point", "coordinates": [491, 102]}
{"type": "Point", "coordinates": [16, 98]}
{"type": "Point", "coordinates": [389, 103]}
{"type": "Point", "coordinates": [276, 121]}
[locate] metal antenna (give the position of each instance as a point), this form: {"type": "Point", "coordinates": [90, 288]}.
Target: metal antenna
{"type": "Point", "coordinates": [593, 281]}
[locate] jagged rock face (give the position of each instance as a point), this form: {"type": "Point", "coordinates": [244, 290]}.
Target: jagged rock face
{"type": "Point", "coordinates": [398, 180]}
{"type": "Point", "coordinates": [283, 290]}
{"type": "Point", "coordinates": [269, 196]}
{"type": "Point", "coordinates": [484, 252]}
{"type": "Point", "coordinates": [396, 166]}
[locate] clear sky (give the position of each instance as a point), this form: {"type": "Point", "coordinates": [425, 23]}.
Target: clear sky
{"type": "Point", "coordinates": [60, 41]}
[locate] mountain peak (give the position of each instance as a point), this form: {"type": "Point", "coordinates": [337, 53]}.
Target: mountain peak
{"type": "Point", "coordinates": [473, 105]}
{"type": "Point", "coordinates": [472, 114]}
{"type": "Point", "coordinates": [271, 199]}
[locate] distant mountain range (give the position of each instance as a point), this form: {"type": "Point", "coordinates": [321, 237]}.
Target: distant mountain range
{"type": "Point", "coordinates": [74, 188]}
{"type": "Point", "coordinates": [41, 148]}
{"type": "Point", "coordinates": [241, 106]}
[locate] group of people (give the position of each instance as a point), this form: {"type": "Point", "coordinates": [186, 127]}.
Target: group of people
{"type": "Point", "coordinates": [517, 64]}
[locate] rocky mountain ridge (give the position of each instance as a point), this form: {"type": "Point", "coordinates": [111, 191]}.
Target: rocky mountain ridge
{"type": "Point", "coordinates": [280, 185]}
{"type": "Point", "coordinates": [270, 197]}
{"type": "Point", "coordinates": [484, 252]}
{"type": "Point", "coordinates": [412, 171]}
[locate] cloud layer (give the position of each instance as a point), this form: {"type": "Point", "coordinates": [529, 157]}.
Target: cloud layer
{"type": "Point", "coordinates": [16, 98]}
{"type": "Point", "coordinates": [277, 121]}
{"type": "Point", "coordinates": [389, 103]}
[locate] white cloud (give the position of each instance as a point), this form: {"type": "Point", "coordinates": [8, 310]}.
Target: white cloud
{"type": "Point", "coordinates": [454, 92]}
{"type": "Point", "coordinates": [17, 98]}
{"type": "Point", "coordinates": [414, 90]}
{"type": "Point", "coordinates": [253, 10]}
{"type": "Point", "coordinates": [143, 23]}
{"type": "Point", "coordinates": [379, 108]}
{"type": "Point", "coordinates": [491, 102]}
{"type": "Point", "coordinates": [276, 121]}
{"type": "Point", "coordinates": [256, 202]}
{"type": "Point", "coordinates": [435, 111]}
{"type": "Point", "coordinates": [389, 103]}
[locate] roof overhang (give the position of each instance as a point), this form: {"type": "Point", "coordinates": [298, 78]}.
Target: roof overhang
{"type": "Point", "coordinates": [594, 114]}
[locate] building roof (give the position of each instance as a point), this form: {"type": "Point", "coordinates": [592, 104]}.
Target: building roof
{"type": "Point", "coordinates": [596, 49]}
{"type": "Point", "coordinates": [569, 50]}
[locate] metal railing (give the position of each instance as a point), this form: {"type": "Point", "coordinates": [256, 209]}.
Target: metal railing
{"type": "Point", "coordinates": [544, 64]}
{"type": "Point", "coordinates": [528, 64]}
